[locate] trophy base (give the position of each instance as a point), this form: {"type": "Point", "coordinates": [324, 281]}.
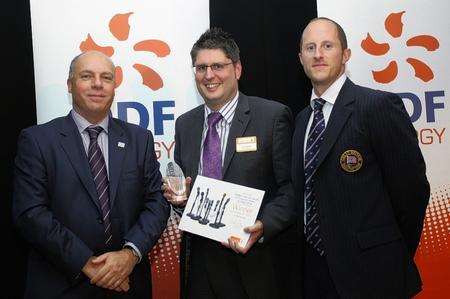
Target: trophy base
{"type": "Point", "coordinates": [203, 221]}
{"type": "Point", "coordinates": [217, 225]}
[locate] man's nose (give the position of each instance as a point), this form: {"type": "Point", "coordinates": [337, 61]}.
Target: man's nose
{"type": "Point", "coordinates": [97, 82]}
{"type": "Point", "coordinates": [209, 73]}
{"type": "Point", "coordinates": [318, 52]}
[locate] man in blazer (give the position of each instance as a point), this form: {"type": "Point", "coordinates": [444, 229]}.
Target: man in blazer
{"type": "Point", "coordinates": [211, 269]}
{"type": "Point", "coordinates": [360, 177]}
{"type": "Point", "coordinates": [87, 195]}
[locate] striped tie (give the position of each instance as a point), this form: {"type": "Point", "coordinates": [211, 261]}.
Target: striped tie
{"type": "Point", "coordinates": [313, 143]}
{"type": "Point", "coordinates": [98, 169]}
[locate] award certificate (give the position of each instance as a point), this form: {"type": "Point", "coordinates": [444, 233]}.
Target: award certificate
{"type": "Point", "coordinates": [218, 210]}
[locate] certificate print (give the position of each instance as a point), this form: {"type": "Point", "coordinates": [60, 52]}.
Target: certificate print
{"type": "Point", "coordinates": [219, 210]}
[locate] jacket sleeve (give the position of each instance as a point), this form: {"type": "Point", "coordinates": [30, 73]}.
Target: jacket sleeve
{"type": "Point", "coordinates": [279, 213]}
{"type": "Point", "coordinates": [395, 144]}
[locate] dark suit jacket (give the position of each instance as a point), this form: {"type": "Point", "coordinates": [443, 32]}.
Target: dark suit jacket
{"type": "Point", "coordinates": [56, 206]}
{"type": "Point", "coordinates": [371, 219]}
{"type": "Point", "coordinates": [268, 169]}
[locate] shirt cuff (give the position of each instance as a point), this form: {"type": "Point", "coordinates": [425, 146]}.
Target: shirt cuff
{"type": "Point", "coordinates": [129, 244]}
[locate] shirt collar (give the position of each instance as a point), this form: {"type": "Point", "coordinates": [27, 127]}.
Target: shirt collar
{"type": "Point", "coordinates": [330, 95]}
{"type": "Point", "coordinates": [82, 123]}
{"type": "Point", "coordinates": [227, 110]}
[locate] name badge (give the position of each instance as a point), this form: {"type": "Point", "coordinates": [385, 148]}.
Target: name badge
{"type": "Point", "coordinates": [246, 144]}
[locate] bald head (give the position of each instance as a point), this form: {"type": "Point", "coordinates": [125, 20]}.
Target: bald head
{"type": "Point", "coordinates": [340, 32]}
{"type": "Point", "coordinates": [323, 53]}
{"type": "Point", "coordinates": [92, 85]}
{"type": "Point", "coordinates": [100, 55]}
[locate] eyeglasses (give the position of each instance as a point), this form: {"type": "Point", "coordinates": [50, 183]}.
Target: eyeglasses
{"type": "Point", "coordinates": [215, 67]}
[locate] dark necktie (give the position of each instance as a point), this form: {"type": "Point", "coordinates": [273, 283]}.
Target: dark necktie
{"type": "Point", "coordinates": [98, 169]}
{"type": "Point", "coordinates": [313, 143]}
{"type": "Point", "coordinates": [212, 154]}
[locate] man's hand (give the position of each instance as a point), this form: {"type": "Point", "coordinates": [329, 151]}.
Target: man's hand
{"type": "Point", "coordinates": [174, 199]}
{"type": "Point", "coordinates": [90, 270]}
{"type": "Point", "coordinates": [256, 231]}
{"type": "Point", "coordinates": [115, 268]}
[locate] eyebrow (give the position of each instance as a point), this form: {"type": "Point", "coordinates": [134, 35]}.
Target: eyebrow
{"type": "Point", "coordinates": [91, 72]}
{"type": "Point", "coordinates": [322, 42]}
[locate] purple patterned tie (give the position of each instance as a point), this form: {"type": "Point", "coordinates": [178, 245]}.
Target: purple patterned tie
{"type": "Point", "coordinates": [212, 155]}
{"type": "Point", "coordinates": [98, 169]}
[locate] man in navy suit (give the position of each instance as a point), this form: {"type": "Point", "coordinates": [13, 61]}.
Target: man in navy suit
{"type": "Point", "coordinates": [360, 177]}
{"type": "Point", "coordinates": [87, 195]}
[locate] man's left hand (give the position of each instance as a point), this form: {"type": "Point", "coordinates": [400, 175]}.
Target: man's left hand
{"type": "Point", "coordinates": [117, 267]}
{"type": "Point", "coordinates": [256, 231]}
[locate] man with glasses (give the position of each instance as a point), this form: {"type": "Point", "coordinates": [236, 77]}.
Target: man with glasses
{"type": "Point", "coordinates": [208, 143]}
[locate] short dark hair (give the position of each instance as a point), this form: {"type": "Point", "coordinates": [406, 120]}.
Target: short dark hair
{"type": "Point", "coordinates": [216, 38]}
{"type": "Point", "coordinates": [341, 33]}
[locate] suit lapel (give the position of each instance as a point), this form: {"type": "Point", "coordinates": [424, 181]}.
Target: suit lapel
{"type": "Point", "coordinates": [196, 132]}
{"type": "Point", "coordinates": [116, 155]}
{"type": "Point", "coordinates": [298, 152]}
{"type": "Point", "coordinates": [73, 147]}
{"type": "Point", "coordinates": [298, 171]}
{"type": "Point", "coordinates": [341, 111]}
{"type": "Point", "coordinates": [238, 126]}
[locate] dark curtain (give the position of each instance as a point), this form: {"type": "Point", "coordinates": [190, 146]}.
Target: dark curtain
{"type": "Point", "coordinates": [18, 111]}
{"type": "Point", "coordinates": [268, 35]}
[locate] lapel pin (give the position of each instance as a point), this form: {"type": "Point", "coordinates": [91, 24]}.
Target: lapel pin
{"type": "Point", "coordinates": [351, 161]}
{"type": "Point", "coordinates": [120, 144]}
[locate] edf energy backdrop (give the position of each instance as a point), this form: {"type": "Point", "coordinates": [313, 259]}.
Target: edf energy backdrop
{"type": "Point", "coordinates": [404, 47]}
{"type": "Point", "coordinates": [149, 42]}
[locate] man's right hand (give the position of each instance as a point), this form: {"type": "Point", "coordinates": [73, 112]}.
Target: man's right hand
{"type": "Point", "coordinates": [174, 199]}
{"type": "Point", "coordinates": [90, 269]}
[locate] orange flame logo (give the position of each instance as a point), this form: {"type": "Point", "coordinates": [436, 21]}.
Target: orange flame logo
{"type": "Point", "coordinates": [394, 26]}
{"type": "Point", "coordinates": [120, 29]}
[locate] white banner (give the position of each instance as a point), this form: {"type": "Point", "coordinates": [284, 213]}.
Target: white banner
{"type": "Point", "coordinates": [149, 42]}
{"type": "Point", "coordinates": [424, 97]}
{"type": "Point", "coordinates": [404, 47]}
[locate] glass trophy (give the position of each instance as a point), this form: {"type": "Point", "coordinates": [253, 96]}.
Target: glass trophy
{"type": "Point", "coordinates": [176, 181]}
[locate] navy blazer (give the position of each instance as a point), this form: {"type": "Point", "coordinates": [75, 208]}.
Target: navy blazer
{"type": "Point", "coordinates": [370, 219]}
{"type": "Point", "coordinates": [56, 206]}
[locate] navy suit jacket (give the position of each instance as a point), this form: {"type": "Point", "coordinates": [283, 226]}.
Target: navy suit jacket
{"type": "Point", "coordinates": [56, 206]}
{"type": "Point", "coordinates": [370, 219]}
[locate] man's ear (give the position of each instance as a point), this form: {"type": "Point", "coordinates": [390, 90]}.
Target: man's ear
{"type": "Point", "coordinates": [300, 57]}
{"type": "Point", "coordinates": [69, 85]}
{"type": "Point", "coordinates": [346, 55]}
{"type": "Point", "coordinates": [238, 69]}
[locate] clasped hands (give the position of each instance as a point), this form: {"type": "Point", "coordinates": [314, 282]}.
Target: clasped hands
{"type": "Point", "coordinates": [256, 230]}
{"type": "Point", "coordinates": [111, 270]}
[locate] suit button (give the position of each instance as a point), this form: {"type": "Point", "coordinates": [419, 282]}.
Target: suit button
{"type": "Point", "coordinates": [100, 221]}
